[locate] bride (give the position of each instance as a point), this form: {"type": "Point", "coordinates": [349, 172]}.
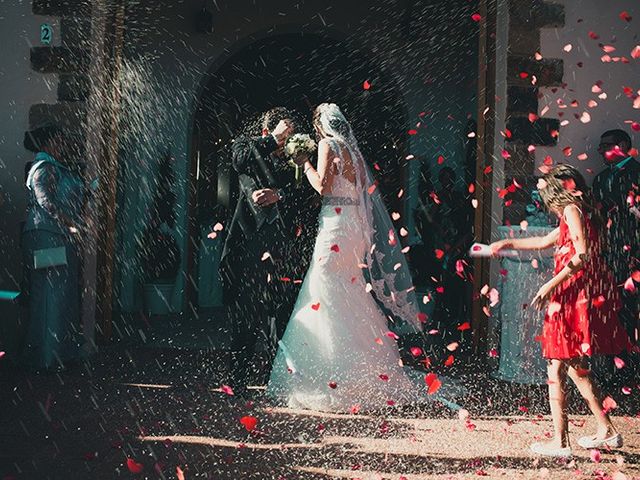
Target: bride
{"type": "Point", "coordinates": [337, 353]}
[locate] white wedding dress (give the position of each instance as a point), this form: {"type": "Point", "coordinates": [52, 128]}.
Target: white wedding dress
{"type": "Point", "coordinates": [337, 353]}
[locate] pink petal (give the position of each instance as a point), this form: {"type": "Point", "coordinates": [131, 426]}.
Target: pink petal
{"type": "Point", "coordinates": [227, 389]}
{"type": "Point", "coordinates": [609, 404]}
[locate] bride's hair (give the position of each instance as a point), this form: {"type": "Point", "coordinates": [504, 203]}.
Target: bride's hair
{"type": "Point", "coordinates": [328, 118]}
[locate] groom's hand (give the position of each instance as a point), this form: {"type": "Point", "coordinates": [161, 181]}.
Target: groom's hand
{"type": "Point", "coordinates": [265, 197]}
{"type": "Point", "coordinates": [282, 131]}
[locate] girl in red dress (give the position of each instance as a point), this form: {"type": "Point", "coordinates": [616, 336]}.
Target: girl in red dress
{"type": "Point", "coordinates": [581, 302]}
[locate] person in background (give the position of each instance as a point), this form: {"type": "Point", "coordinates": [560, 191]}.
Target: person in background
{"type": "Point", "coordinates": [617, 191]}
{"type": "Point", "coordinates": [50, 248]}
{"type": "Point", "coordinates": [452, 216]}
{"type": "Point", "coordinates": [422, 258]}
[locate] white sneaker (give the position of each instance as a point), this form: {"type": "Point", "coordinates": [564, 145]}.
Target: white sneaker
{"type": "Point", "coordinates": [614, 441]}
{"type": "Point", "coordinates": [547, 451]}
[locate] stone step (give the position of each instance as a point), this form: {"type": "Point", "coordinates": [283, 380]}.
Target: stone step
{"type": "Point", "coordinates": [75, 32]}
{"type": "Point", "coordinates": [533, 133]}
{"type": "Point", "coordinates": [524, 40]}
{"type": "Point", "coordinates": [521, 164]}
{"type": "Point", "coordinates": [548, 71]}
{"type": "Point", "coordinates": [68, 115]}
{"type": "Point", "coordinates": [73, 87]}
{"type": "Point", "coordinates": [523, 100]}
{"type": "Point", "coordinates": [59, 59]}
{"type": "Point", "coordinates": [536, 14]}
{"type": "Point", "coordinates": [61, 8]}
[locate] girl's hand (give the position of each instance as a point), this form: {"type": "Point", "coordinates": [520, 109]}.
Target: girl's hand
{"type": "Point", "coordinates": [542, 297]}
{"type": "Point", "coordinates": [500, 245]}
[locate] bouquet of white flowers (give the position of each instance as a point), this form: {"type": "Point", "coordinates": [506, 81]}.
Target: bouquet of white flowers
{"type": "Point", "coordinates": [298, 144]}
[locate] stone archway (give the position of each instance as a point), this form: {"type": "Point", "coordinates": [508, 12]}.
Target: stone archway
{"type": "Point", "coordinates": [297, 70]}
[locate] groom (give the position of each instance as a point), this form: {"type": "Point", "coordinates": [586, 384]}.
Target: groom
{"type": "Point", "coordinates": [261, 256]}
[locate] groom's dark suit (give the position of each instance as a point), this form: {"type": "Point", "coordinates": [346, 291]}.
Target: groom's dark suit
{"type": "Point", "coordinates": [258, 288]}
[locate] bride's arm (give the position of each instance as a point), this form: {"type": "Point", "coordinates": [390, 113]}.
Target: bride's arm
{"type": "Point", "coordinates": [321, 179]}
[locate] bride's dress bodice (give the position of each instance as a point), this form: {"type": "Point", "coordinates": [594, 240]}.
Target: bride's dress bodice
{"type": "Point", "coordinates": [342, 190]}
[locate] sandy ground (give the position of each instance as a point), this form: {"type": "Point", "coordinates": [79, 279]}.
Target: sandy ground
{"type": "Point", "coordinates": [163, 410]}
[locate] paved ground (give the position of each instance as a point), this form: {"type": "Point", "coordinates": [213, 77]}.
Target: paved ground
{"type": "Point", "coordinates": [162, 409]}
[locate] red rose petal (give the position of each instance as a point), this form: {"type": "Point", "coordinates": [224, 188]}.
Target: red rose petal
{"type": "Point", "coordinates": [134, 467]}
{"type": "Point", "coordinates": [624, 15]}
{"type": "Point", "coordinates": [433, 383]}
{"type": "Point", "coordinates": [179, 473]}
{"type": "Point", "coordinates": [599, 301]}
{"type": "Point", "coordinates": [249, 422]}
{"type": "Point", "coordinates": [415, 351]}
{"type": "Point", "coordinates": [629, 285]}
{"type": "Point", "coordinates": [609, 404]}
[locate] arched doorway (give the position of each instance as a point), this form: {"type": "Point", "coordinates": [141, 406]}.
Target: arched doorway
{"type": "Point", "coordinates": [299, 71]}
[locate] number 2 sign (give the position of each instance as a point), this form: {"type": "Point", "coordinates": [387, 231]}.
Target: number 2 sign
{"type": "Point", "coordinates": [46, 34]}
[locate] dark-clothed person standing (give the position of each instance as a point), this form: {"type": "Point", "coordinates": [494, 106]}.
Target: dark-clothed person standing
{"type": "Point", "coordinates": [617, 190]}
{"type": "Point", "coordinates": [50, 248]}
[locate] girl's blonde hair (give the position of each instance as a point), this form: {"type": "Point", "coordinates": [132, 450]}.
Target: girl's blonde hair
{"type": "Point", "coordinates": [564, 185]}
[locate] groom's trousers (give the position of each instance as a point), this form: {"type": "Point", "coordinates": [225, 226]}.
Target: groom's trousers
{"type": "Point", "coordinates": [260, 294]}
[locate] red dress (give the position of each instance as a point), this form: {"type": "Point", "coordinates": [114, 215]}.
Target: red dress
{"type": "Point", "coordinates": [582, 316]}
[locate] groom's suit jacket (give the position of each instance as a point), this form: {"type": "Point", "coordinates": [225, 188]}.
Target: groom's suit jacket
{"type": "Point", "coordinates": [257, 167]}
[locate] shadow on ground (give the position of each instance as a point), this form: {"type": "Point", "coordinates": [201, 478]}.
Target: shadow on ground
{"type": "Point", "coordinates": [162, 408]}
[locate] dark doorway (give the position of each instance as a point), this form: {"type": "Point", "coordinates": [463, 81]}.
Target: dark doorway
{"type": "Point", "coordinates": [298, 71]}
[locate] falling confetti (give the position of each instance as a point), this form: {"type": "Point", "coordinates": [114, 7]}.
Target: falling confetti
{"type": "Point", "coordinates": [134, 467]}
{"type": "Point", "coordinates": [249, 423]}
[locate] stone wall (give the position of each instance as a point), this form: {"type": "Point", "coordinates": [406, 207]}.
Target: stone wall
{"type": "Point", "coordinates": [69, 61]}
{"type": "Point", "coordinates": [526, 73]}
